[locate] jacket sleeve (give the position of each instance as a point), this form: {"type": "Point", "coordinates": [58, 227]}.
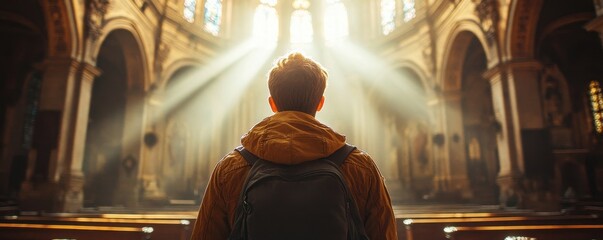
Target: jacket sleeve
{"type": "Point", "coordinates": [212, 221]}
{"type": "Point", "coordinates": [379, 222]}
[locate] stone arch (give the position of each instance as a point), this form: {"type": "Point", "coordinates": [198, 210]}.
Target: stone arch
{"type": "Point", "coordinates": [180, 170]}
{"type": "Point", "coordinates": [414, 161]}
{"type": "Point", "coordinates": [419, 90]}
{"type": "Point", "coordinates": [115, 125]}
{"type": "Point", "coordinates": [419, 72]}
{"type": "Point", "coordinates": [134, 47]}
{"type": "Point", "coordinates": [174, 68]}
{"type": "Point", "coordinates": [456, 47]}
{"type": "Point", "coordinates": [521, 30]}
{"type": "Point", "coordinates": [466, 42]}
{"type": "Point", "coordinates": [62, 40]}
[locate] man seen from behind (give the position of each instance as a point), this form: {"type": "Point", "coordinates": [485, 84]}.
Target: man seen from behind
{"type": "Point", "coordinates": [292, 136]}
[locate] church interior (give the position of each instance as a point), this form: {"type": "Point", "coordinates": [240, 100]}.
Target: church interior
{"type": "Point", "coordinates": [485, 117]}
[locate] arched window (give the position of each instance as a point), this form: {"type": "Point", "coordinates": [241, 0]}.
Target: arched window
{"type": "Point", "coordinates": [213, 16]}
{"type": "Point", "coordinates": [336, 20]}
{"type": "Point", "coordinates": [189, 10]}
{"type": "Point", "coordinates": [409, 10]}
{"type": "Point", "coordinates": [265, 21]}
{"type": "Point", "coordinates": [301, 22]}
{"type": "Point", "coordinates": [388, 16]}
{"type": "Point", "coordinates": [596, 102]}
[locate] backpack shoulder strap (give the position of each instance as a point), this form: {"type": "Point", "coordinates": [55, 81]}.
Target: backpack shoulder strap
{"type": "Point", "coordinates": [339, 156]}
{"type": "Point", "coordinates": [249, 157]}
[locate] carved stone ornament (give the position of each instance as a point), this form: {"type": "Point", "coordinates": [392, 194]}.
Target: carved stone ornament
{"type": "Point", "coordinates": [59, 36]}
{"type": "Point", "coordinates": [162, 54]}
{"type": "Point", "coordinates": [487, 11]}
{"type": "Point", "coordinates": [95, 19]}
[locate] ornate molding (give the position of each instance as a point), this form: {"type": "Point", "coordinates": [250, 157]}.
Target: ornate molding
{"type": "Point", "coordinates": [95, 17]}
{"type": "Point", "coordinates": [523, 28]}
{"type": "Point", "coordinates": [487, 11]}
{"type": "Point", "coordinates": [58, 28]}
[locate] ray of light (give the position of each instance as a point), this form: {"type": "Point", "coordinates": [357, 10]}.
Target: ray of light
{"type": "Point", "coordinates": [207, 93]}
{"type": "Point", "coordinates": [398, 92]}
{"type": "Point", "coordinates": [203, 75]}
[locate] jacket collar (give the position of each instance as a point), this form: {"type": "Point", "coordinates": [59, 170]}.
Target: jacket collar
{"type": "Point", "coordinates": [291, 137]}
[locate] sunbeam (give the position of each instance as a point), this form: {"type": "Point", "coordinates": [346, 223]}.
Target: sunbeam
{"type": "Point", "coordinates": [207, 93]}
{"type": "Point", "coordinates": [198, 78]}
{"type": "Point", "coordinates": [399, 93]}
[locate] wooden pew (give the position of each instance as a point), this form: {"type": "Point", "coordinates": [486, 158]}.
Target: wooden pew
{"type": "Point", "coordinates": [164, 229]}
{"type": "Point", "coordinates": [539, 232]}
{"type": "Point", "coordinates": [24, 231]}
{"type": "Point", "coordinates": [431, 228]}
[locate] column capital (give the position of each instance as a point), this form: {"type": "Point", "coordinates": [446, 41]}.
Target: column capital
{"type": "Point", "coordinates": [90, 70]}
{"type": "Point", "coordinates": [156, 97]}
{"type": "Point", "coordinates": [524, 64]}
{"type": "Point", "coordinates": [58, 61]}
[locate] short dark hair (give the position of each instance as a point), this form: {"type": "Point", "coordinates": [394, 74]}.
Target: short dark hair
{"type": "Point", "coordinates": [297, 83]}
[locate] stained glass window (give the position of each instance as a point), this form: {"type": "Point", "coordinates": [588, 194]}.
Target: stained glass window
{"type": "Point", "coordinates": [31, 109]}
{"type": "Point", "coordinates": [409, 10]}
{"type": "Point", "coordinates": [265, 22]}
{"type": "Point", "coordinates": [301, 22]}
{"type": "Point", "coordinates": [189, 10]}
{"type": "Point", "coordinates": [213, 16]}
{"type": "Point", "coordinates": [596, 102]}
{"type": "Point", "coordinates": [336, 20]}
{"type": "Point", "coordinates": [388, 16]}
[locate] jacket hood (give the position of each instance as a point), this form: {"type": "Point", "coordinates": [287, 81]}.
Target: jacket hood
{"type": "Point", "coordinates": [291, 137]}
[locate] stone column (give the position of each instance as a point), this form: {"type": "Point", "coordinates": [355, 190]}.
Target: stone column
{"type": "Point", "coordinates": [453, 170]}
{"type": "Point", "coordinates": [521, 138]}
{"type": "Point", "coordinates": [437, 143]}
{"type": "Point", "coordinates": [55, 179]}
{"type": "Point", "coordinates": [72, 177]}
{"type": "Point", "coordinates": [153, 139]}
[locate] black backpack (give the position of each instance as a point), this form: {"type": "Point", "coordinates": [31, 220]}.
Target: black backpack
{"type": "Point", "coordinates": [310, 200]}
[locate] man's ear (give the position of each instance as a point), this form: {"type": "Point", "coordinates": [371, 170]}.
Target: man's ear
{"type": "Point", "coordinates": [272, 104]}
{"type": "Point", "coordinates": [320, 104]}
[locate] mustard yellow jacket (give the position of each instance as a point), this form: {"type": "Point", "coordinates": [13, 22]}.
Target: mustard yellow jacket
{"type": "Point", "coordinates": [289, 138]}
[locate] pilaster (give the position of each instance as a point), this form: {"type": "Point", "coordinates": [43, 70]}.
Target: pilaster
{"type": "Point", "coordinates": [54, 175]}
{"type": "Point", "coordinates": [452, 171]}
{"type": "Point", "coordinates": [152, 193]}
{"type": "Point", "coordinates": [522, 140]}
